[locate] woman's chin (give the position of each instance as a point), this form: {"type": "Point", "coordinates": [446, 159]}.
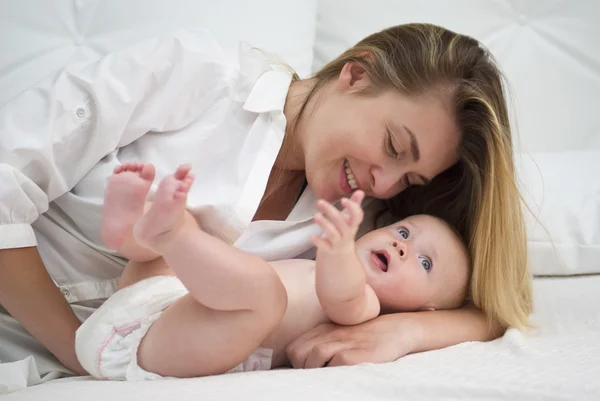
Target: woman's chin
{"type": "Point", "coordinates": [322, 191]}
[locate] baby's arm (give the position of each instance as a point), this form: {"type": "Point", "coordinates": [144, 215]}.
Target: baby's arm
{"type": "Point", "coordinates": [341, 284]}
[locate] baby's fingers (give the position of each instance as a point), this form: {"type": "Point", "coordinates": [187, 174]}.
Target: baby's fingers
{"type": "Point", "coordinates": [354, 211]}
{"type": "Point", "coordinates": [330, 232]}
{"type": "Point", "coordinates": [320, 243]}
{"type": "Point", "coordinates": [358, 196]}
{"type": "Point", "coordinates": [333, 215]}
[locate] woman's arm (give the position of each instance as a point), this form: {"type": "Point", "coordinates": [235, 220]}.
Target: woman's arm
{"type": "Point", "coordinates": [440, 329]}
{"type": "Point", "coordinates": [30, 296]}
{"type": "Point", "coordinates": [389, 337]}
{"type": "Point", "coordinates": [53, 134]}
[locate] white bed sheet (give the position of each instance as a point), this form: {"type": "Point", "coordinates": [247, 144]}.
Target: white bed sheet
{"type": "Point", "coordinates": [561, 361]}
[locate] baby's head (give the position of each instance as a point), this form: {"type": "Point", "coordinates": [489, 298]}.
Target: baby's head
{"type": "Point", "coordinates": [418, 263]}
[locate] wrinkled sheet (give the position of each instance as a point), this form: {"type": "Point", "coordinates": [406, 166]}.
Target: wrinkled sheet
{"type": "Point", "coordinates": [560, 360]}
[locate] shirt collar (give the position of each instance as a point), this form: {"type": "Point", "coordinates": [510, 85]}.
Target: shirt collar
{"type": "Point", "coordinates": [263, 81]}
{"type": "Point", "coordinates": [269, 92]}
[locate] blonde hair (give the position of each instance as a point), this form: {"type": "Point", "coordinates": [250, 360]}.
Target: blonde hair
{"type": "Point", "coordinates": [478, 195]}
{"type": "Point", "coordinates": [456, 297]}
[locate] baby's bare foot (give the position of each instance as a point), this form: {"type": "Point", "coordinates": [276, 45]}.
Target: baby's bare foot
{"type": "Point", "coordinates": [156, 228]}
{"type": "Point", "coordinates": [124, 201]}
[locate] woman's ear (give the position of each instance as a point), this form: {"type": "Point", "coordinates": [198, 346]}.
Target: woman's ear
{"type": "Point", "coordinates": [353, 78]}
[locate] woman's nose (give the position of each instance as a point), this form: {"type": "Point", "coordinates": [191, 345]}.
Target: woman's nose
{"type": "Point", "coordinates": [385, 182]}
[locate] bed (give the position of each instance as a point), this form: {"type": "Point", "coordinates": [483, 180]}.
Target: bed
{"type": "Point", "coordinates": [559, 360]}
{"type": "Point", "coordinates": [551, 57]}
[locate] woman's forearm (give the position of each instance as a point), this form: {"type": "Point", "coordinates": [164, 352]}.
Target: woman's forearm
{"type": "Point", "coordinates": [440, 329]}
{"type": "Point", "coordinates": [28, 293]}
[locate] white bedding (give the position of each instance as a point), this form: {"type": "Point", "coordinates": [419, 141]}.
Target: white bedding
{"type": "Point", "coordinates": [561, 361]}
{"type": "Point", "coordinates": [546, 48]}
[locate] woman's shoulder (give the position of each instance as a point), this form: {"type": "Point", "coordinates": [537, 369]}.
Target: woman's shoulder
{"type": "Point", "coordinates": [254, 63]}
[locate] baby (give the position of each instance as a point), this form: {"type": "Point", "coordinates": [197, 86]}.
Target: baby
{"type": "Point", "coordinates": [192, 305]}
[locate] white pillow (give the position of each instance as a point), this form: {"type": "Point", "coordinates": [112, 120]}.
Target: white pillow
{"type": "Point", "coordinates": [40, 37]}
{"type": "Point", "coordinates": [548, 50]}
{"type": "Point", "coordinates": [563, 191]}
{"type": "Point", "coordinates": [553, 66]}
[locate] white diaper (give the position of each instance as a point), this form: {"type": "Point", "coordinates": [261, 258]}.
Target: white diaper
{"type": "Point", "coordinates": [107, 342]}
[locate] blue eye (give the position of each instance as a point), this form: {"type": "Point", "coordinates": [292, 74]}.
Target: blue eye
{"type": "Point", "coordinates": [403, 232]}
{"type": "Point", "coordinates": [426, 263]}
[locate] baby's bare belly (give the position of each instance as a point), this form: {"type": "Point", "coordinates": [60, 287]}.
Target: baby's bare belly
{"type": "Point", "coordinates": [304, 311]}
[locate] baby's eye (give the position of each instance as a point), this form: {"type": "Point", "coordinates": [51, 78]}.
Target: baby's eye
{"type": "Point", "coordinates": [426, 263]}
{"type": "Point", "coordinates": [403, 232]}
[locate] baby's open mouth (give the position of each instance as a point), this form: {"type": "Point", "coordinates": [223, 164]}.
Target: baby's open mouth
{"type": "Point", "coordinates": [382, 259]}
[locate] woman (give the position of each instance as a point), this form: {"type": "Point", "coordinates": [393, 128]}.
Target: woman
{"type": "Point", "coordinates": [415, 114]}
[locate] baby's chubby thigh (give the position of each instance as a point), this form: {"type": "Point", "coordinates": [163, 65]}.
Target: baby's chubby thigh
{"type": "Point", "coordinates": [192, 340]}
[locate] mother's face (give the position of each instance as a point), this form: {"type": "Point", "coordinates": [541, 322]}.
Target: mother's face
{"type": "Point", "coordinates": [381, 144]}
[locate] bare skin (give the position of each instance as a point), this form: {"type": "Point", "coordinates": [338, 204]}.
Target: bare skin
{"type": "Point", "coordinates": [267, 305]}
{"type": "Point", "coordinates": [345, 128]}
{"type": "Point", "coordinates": [42, 308]}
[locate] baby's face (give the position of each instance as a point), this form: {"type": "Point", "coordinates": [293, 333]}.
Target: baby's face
{"type": "Point", "coordinates": [416, 264]}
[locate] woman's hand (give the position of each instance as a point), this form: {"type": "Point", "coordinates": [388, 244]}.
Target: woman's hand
{"type": "Point", "coordinates": [383, 339]}
{"type": "Point", "coordinates": [389, 337]}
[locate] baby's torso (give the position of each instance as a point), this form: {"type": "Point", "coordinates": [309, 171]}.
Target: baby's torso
{"type": "Point", "coordinates": [303, 312]}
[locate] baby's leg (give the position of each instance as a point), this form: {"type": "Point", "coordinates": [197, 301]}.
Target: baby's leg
{"type": "Point", "coordinates": [218, 275]}
{"type": "Point", "coordinates": [192, 340]}
{"type": "Point", "coordinates": [124, 203]}
{"type": "Point", "coordinates": [236, 299]}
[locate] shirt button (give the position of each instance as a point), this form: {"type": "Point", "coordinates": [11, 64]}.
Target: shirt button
{"type": "Point", "coordinates": [80, 112]}
{"type": "Point", "coordinates": [65, 293]}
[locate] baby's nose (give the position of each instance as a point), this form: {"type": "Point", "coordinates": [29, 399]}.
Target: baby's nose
{"type": "Point", "coordinates": [400, 247]}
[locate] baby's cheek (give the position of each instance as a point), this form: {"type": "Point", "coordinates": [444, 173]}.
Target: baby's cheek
{"type": "Point", "coordinates": [411, 293]}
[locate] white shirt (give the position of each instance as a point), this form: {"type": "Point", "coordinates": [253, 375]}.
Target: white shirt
{"type": "Point", "coordinates": [169, 100]}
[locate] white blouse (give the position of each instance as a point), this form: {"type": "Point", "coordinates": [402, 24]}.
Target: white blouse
{"type": "Point", "coordinates": [169, 100]}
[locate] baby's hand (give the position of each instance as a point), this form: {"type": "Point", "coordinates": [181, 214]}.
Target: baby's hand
{"type": "Point", "coordinates": [339, 227]}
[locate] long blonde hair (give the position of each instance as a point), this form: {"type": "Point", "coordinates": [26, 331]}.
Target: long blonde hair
{"type": "Point", "coordinates": [478, 195]}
